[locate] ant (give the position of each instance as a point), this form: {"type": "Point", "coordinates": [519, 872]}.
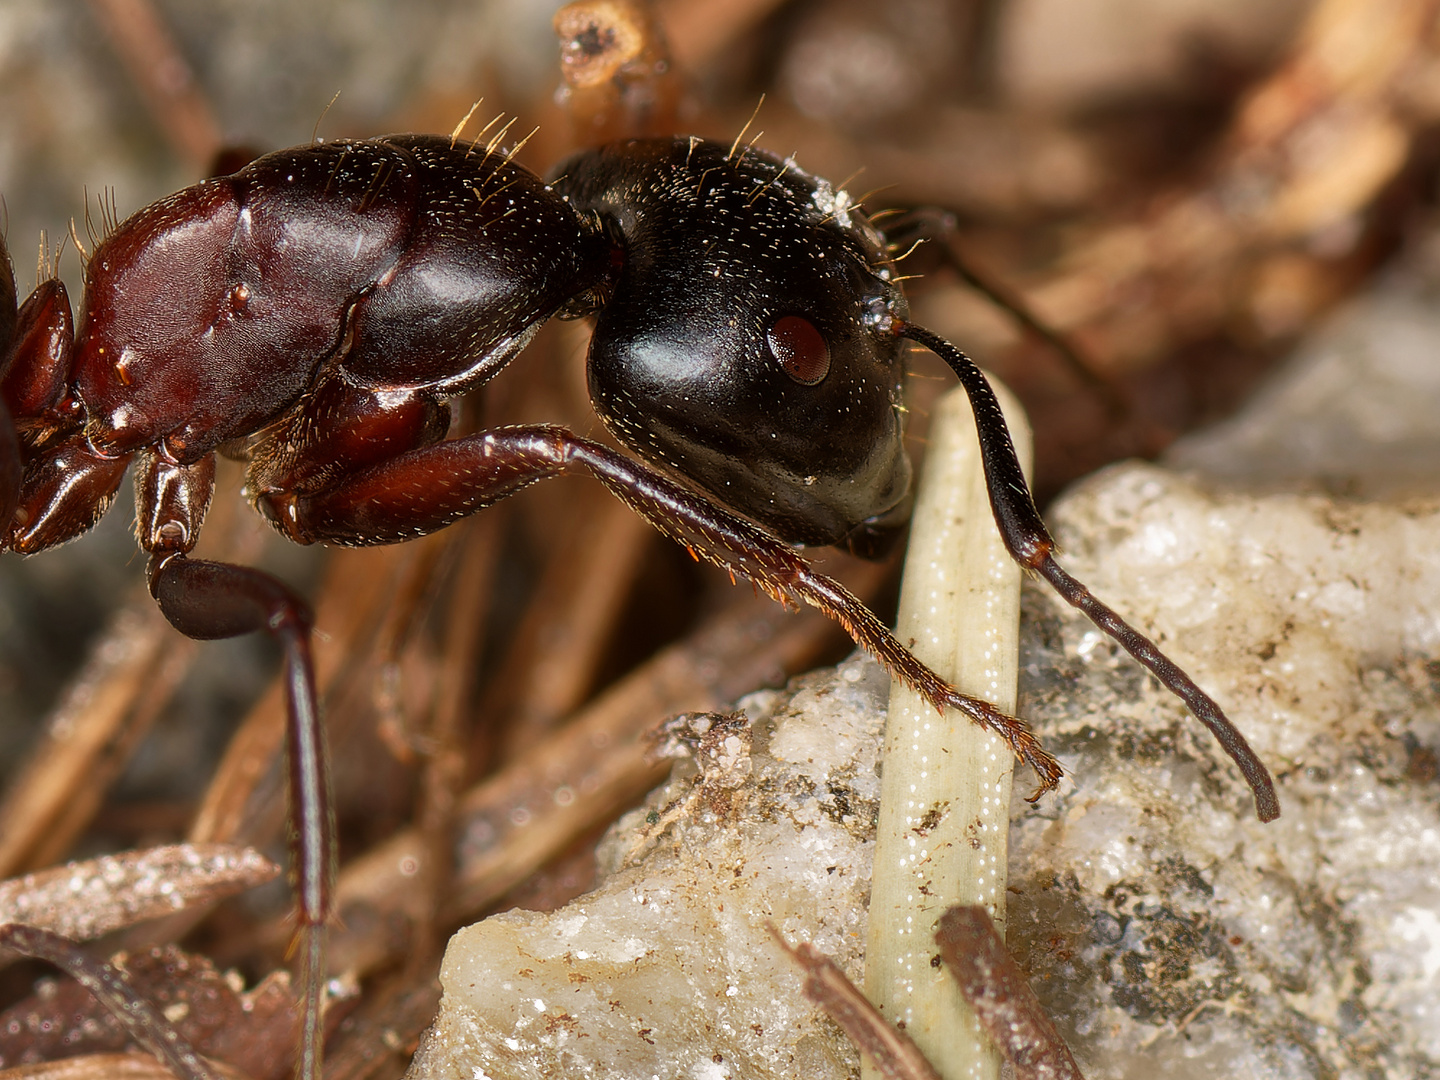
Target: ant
{"type": "Point", "coordinates": [313, 312]}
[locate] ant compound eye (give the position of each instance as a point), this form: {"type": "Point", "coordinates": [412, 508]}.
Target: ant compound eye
{"type": "Point", "coordinates": [801, 349]}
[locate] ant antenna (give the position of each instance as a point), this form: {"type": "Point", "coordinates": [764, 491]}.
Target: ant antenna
{"type": "Point", "coordinates": [940, 227]}
{"type": "Point", "coordinates": [1031, 545]}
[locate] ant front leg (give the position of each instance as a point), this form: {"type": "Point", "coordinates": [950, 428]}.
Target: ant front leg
{"type": "Point", "coordinates": [206, 600]}
{"type": "Point", "coordinates": [1031, 545]}
{"type": "Point", "coordinates": [430, 487]}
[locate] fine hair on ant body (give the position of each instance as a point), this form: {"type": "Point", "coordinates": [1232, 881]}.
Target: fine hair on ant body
{"type": "Point", "coordinates": [314, 312]}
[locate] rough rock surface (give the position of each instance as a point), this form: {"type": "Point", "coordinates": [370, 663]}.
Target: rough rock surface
{"type": "Point", "coordinates": [1164, 926]}
{"type": "Point", "coordinates": [668, 968]}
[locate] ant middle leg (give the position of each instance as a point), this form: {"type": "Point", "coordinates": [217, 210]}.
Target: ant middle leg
{"type": "Point", "coordinates": [207, 600]}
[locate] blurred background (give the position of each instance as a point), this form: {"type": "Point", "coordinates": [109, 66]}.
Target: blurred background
{"type": "Point", "coordinates": [1180, 188]}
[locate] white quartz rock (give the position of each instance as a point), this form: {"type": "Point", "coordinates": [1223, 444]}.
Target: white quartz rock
{"type": "Point", "coordinates": [667, 969]}
{"type": "Point", "coordinates": [1170, 933]}
{"type": "Point", "coordinates": [1357, 408]}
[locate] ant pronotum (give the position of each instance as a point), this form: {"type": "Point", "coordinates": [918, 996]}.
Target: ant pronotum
{"type": "Point", "coordinates": [313, 312]}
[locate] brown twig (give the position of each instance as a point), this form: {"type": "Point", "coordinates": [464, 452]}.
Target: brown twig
{"type": "Point", "coordinates": [164, 77]}
{"type": "Point", "coordinates": [101, 718]}
{"type": "Point", "coordinates": [1004, 1004]}
{"type": "Point", "coordinates": [890, 1050]}
{"type": "Point", "coordinates": [83, 900]}
{"type": "Point", "coordinates": [1311, 149]}
{"type": "Point", "coordinates": [99, 1067]}
{"type": "Point", "coordinates": [132, 673]}
{"type": "Point", "coordinates": [144, 1023]}
{"type": "Point", "coordinates": [550, 666]}
{"type": "Point", "coordinates": [618, 74]}
{"type": "Point", "coordinates": [379, 1039]}
{"type": "Point", "coordinates": [360, 587]}
{"type": "Point", "coordinates": [702, 30]}
{"type": "Point", "coordinates": [443, 772]}
{"type": "Point", "coordinates": [557, 792]}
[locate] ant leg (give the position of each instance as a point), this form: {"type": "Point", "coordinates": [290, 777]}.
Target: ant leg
{"type": "Point", "coordinates": [34, 386]}
{"type": "Point", "coordinates": [206, 600]}
{"type": "Point", "coordinates": [428, 488]}
{"type": "Point", "coordinates": [63, 486]}
{"type": "Point", "coordinates": [1030, 544]}
{"type": "Point", "coordinates": [66, 489]}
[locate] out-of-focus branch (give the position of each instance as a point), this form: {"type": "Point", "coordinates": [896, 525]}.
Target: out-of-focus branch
{"type": "Point", "coordinates": [164, 77]}
{"type": "Point", "coordinates": [1268, 233]}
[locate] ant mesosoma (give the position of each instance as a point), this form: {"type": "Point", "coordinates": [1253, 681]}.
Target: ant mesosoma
{"type": "Point", "coordinates": [313, 312]}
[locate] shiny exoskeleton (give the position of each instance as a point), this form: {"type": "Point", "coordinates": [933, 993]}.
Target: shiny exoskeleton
{"type": "Point", "coordinates": [314, 311]}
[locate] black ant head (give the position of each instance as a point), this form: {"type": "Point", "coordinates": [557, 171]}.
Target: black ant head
{"type": "Point", "coordinates": [748, 340]}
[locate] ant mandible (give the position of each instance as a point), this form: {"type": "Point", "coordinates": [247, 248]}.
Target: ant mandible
{"type": "Point", "coordinates": [313, 312]}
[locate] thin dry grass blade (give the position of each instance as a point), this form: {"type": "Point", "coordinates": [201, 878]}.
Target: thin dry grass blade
{"type": "Point", "coordinates": [83, 900]}
{"type": "Point", "coordinates": [103, 1067]}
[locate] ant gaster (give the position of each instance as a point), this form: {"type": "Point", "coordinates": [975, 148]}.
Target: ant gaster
{"type": "Point", "coordinates": [313, 312]}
